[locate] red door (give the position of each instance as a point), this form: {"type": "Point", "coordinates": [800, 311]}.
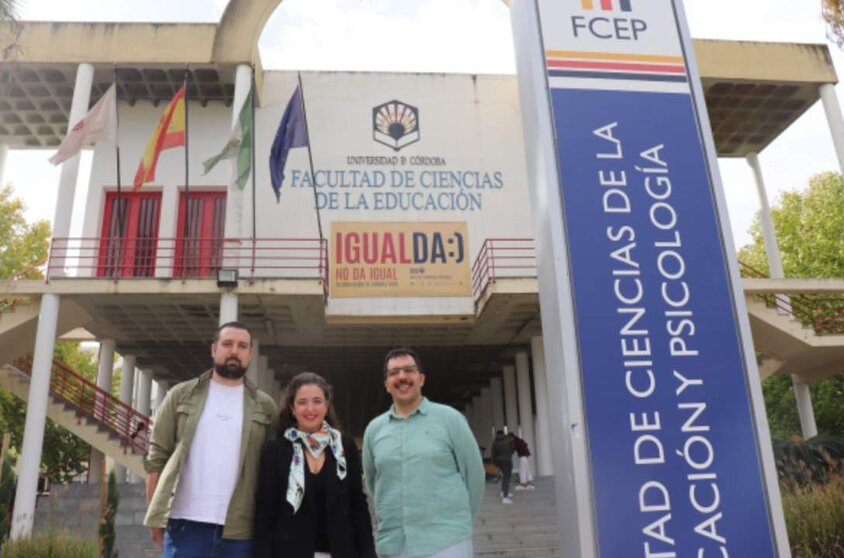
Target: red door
{"type": "Point", "coordinates": [130, 235]}
{"type": "Point", "coordinates": [199, 250]}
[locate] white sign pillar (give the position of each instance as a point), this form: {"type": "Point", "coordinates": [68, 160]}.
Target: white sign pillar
{"type": "Point", "coordinates": [631, 227]}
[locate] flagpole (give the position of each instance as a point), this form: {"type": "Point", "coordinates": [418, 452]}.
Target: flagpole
{"type": "Point", "coordinates": [310, 156]}
{"type": "Point", "coordinates": [252, 148]}
{"type": "Point", "coordinates": [121, 211]}
{"type": "Point", "coordinates": [187, 178]}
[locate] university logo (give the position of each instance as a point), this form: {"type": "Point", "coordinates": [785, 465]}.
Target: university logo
{"type": "Point", "coordinates": [606, 5]}
{"type": "Point", "coordinates": [395, 124]}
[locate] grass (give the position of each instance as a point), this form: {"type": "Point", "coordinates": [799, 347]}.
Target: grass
{"type": "Point", "coordinates": [50, 545]}
{"type": "Point", "coordinates": [814, 516]}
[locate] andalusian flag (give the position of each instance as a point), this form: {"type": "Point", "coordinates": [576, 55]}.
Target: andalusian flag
{"type": "Point", "coordinates": [170, 132]}
{"type": "Point", "coordinates": [239, 145]}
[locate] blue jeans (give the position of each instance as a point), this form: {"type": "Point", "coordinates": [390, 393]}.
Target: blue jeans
{"type": "Point", "coordinates": [190, 539]}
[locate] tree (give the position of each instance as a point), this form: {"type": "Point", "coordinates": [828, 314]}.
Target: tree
{"type": "Point", "coordinates": [810, 232]}
{"type": "Point", "coordinates": [833, 14]}
{"type": "Point", "coordinates": [23, 249]}
{"type": "Point", "coordinates": [23, 245]}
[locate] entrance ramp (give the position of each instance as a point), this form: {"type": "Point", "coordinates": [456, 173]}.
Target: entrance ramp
{"type": "Point", "coordinates": [527, 528]}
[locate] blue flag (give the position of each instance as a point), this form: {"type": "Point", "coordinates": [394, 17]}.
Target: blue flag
{"type": "Point", "coordinates": [291, 133]}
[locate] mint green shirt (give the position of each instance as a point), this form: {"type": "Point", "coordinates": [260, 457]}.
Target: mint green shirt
{"type": "Point", "coordinates": [425, 476]}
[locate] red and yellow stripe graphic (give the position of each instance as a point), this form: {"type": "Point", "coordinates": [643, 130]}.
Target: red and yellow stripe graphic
{"type": "Point", "coordinates": [170, 132]}
{"type": "Point", "coordinates": [623, 64]}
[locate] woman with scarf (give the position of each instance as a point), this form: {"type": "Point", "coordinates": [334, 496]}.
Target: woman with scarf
{"type": "Point", "coordinates": [310, 501]}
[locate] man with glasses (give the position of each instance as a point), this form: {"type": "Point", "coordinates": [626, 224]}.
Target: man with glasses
{"type": "Point", "coordinates": [423, 470]}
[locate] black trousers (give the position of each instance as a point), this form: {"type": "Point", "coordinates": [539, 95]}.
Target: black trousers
{"type": "Point", "coordinates": [506, 468]}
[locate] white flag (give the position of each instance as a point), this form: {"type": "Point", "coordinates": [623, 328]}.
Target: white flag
{"type": "Point", "coordinates": [99, 124]}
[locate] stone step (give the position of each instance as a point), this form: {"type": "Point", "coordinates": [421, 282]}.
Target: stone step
{"type": "Point", "coordinates": [527, 528]}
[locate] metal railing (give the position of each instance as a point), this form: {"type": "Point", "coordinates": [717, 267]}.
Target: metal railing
{"type": "Point", "coordinates": [140, 258]}
{"type": "Point", "coordinates": [502, 258]}
{"type": "Point", "coordinates": [129, 426]}
{"type": "Point", "coordinates": [822, 312]}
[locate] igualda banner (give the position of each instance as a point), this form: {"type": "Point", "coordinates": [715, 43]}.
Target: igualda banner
{"type": "Point", "coordinates": [387, 259]}
{"type": "Point", "coordinates": [673, 451]}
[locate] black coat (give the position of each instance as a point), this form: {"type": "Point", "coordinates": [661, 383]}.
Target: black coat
{"type": "Point", "coordinates": [279, 533]}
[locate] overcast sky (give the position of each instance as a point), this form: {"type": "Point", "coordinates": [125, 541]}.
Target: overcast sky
{"type": "Point", "coordinates": [467, 36]}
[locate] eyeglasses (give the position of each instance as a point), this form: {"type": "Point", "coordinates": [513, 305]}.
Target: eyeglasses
{"type": "Point", "coordinates": [409, 369]}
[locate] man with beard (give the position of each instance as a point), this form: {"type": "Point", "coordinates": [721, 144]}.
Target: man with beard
{"type": "Point", "coordinates": [422, 468]}
{"type": "Point", "coordinates": [204, 450]}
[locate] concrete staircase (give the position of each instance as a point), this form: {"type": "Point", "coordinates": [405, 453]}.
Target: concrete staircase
{"type": "Point", "coordinates": [785, 345]}
{"type": "Point", "coordinates": [527, 528]}
{"type": "Point", "coordinates": [85, 427]}
{"type": "Point", "coordinates": [18, 323]}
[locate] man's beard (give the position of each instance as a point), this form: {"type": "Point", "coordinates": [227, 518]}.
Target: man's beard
{"type": "Point", "coordinates": [231, 369]}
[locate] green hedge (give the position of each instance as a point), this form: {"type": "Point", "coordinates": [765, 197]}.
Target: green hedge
{"type": "Point", "coordinates": [50, 545]}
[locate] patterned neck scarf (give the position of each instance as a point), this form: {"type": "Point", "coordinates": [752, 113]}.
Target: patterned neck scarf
{"type": "Point", "coordinates": [315, 442]}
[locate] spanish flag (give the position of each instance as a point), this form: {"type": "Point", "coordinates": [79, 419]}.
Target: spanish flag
{"type": "Point", "coordinates": [170, 132]}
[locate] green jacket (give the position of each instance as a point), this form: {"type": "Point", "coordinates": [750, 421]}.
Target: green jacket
{"type": "Point", "coordinates": [171, 438]}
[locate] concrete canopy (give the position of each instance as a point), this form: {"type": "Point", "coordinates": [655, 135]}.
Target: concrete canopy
{"type": "Point", "coordinates": [753, 90]}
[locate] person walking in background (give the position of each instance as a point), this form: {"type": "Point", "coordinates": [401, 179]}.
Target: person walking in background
{"type": "Point", "coordinates": [502, 455]}
{"type": "Point", "coordinates": [422, 469]}
{"type": "Point", "coordinates": [310, 500]}
{"type": "Point", "coordinates": [525, 474]}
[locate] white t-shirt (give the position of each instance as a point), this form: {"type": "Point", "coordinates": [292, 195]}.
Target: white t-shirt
{"type": "Point", "coordinates": [209, 473]}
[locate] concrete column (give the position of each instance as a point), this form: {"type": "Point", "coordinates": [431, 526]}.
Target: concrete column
{"type": "Point", "coordinates": [36, 417]}
{"type": "Point", "coordinates": [4, 152]}
{"type": "Point", "coordinates": [235, 196]}
{"type": "Point", "coordinates": [127, 382]}
{"type": "Point", "coordinates": [105, 373]}
{"type": "Point", "coordinates": [478, 429]}
{"type": "Point", "coordinates": [542, 452]}
{"type": "Point", "coordinates": [144, 392]}
{"type": "Point", "coordinates": [228, 307]}
{"type": "Point", "coordinates": [801, 391]}
{"type": "Point", "coordinates": [70, 168]}
{"type": "Point", "coordinates": [835, 120]}
{"type": "Point", "coordinates": [808, 427]}
{"type": "Point", "coordinates": [165, 257]}
{"type": "Point", "coordinates": [497, 402]}
{"type": "Point", "coordinates": [511, 409]}
{"type": "Point", "coordinates": [525, 406]}
{"type": "Point", "coordinates": [263, 369]}
{"type": "Point", "coordinates": [162, 387]}
{"type": "Point", "coordinates": [488, 417]}
{"type": "Point", "coordinates": [768, 233]}
{"type": "Point", "coordinates": [468, 412]}
{"type": "Point", "coordinates": [252, 371]}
